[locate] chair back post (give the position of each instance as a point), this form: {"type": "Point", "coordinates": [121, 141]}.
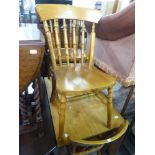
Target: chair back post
{"type": "Point", "coordinates": [66, 41]}
{"type": "Point", "coordinates": [70, 34]}
{"type": "Point", "coordinates": [56, 29]}
{"type": "Point", "coordinates": [74, 42]}
{"type": "Point", "coordinates": [92, 45]}
{"type": "Point", "coordinates": [50, 44]}
{"type": "Point", "coordinates": [52, 34]}
{"type": "Point", "coordinates": [83, 42]}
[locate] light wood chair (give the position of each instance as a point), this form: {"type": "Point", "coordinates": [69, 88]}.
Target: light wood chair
{"type": "Point", "coordinates": [84, 147]}
{"type": "Point", "coordinates": [76, 79]}
{"type": "Point", "coordinates": [85, 125]}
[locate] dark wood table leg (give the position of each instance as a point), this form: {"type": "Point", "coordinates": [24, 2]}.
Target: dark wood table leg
{"type": "Point", "coordinates": [37, 107]}
{"type": "Point", "coordinates": [25, 127]}
{"type": "Point", "coordinates": [24, 110]}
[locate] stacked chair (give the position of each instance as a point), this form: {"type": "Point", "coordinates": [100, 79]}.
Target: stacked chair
{"type": "Point", "coordinates": [84, 119]}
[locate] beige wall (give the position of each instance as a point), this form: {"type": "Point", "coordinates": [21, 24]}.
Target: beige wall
{"type": "Point", "coordinates": [107, 5]}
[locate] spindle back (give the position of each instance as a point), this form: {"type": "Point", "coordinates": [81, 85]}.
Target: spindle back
{"type": "Point", "coordinates": [69, 21]}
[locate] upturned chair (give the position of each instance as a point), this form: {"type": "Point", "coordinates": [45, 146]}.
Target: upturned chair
{"type": "Point", "coordinates": [74, 78]}
{"type": "Point", "coordinates": [85, 126]}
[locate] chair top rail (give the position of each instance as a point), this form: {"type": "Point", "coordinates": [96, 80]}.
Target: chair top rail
{"type": "Point", "coordinates": [101, 142]}
{"type": "Point", "coordinates": [59, 11]}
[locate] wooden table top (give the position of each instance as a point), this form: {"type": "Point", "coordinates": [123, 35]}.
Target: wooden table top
{"type": "Point", "coordinates": [31, 50]}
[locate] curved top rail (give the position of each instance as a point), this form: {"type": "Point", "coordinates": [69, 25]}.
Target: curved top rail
{"type": "Point", "coordinates": [59, 11]}
{"type": "Point", "coordinates": [101, 142]}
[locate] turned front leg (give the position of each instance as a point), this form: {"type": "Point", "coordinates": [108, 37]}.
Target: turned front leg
{"type": "Point", "coordinates": [37, 101]}
{"type": "Point", "coordinates": [24, 110]}
{"type": "Point", "coordinates": [62, 117]}
{"type": "Point", "coordinates": [109, 107]}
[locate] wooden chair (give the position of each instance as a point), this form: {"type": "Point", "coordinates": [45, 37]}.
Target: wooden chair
{"type": "Point", "coordinates": [84, 147]}
{"type": "Point", "coordinates": [74, 79]}
{"type": "Point", "coordinates": [85, 125]}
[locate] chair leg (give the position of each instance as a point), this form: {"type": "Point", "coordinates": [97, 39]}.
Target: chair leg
{"type": "Point", "coordinates": [62, 117]}
{"type": "Point", "coordinates": [127, 100]}
{"type": "Point", "coordinates": [109, 107]}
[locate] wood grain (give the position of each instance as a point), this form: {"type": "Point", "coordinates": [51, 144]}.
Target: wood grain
{"type": "Point", "coordinates": [75, 78]}
{"type": "Point", "coordinates": [85, 117]}
{"type": "Point", "coordinates": [29, 65]}
{"type": "Point", "coordinates": [72, 80]}
{"type": "Point", "coordinates": [31, 50]}
{"type": "Point", "coordinates": [68, 12]}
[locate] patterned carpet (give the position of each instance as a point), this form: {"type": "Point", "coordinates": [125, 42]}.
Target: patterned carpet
{"type": "Point", "coordinates": [119, 97]}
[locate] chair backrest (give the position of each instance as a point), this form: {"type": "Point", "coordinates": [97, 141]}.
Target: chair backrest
{"type": "Point", "coordinates": [71, 18]}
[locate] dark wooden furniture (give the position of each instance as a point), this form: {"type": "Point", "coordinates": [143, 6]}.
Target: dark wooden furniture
{"type": "Point", "coordinates": [31, 51]}
{"type": "Point", "coordinates": [31, 143]}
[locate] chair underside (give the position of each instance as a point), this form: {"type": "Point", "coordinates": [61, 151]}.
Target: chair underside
{"type": "Point", "coordinates": [85, 116]}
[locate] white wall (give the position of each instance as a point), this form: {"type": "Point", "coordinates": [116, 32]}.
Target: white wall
{"type": "Point", "coordinates": [84, 3]}
{"type": "Point", "coordinates": [91, 3]}
{"type": "Point", "coordinates": [125, 3]}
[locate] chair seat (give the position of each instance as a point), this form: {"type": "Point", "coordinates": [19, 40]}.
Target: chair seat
{"type": "Point", "coordinates": [80, 78]}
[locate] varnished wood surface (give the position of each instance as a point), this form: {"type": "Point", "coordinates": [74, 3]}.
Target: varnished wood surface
{"type": "Point", "coordinates": [92, 45]}
{"type": "Point", "coordinates": [80, 78]}
{"type": "Point", "coordinates": [66, 41]}
{"type": "Point", "coordinates": [31, 49]}
{"type": "Point", "coordinates": [85, 117]}
{"type": "Point", "coordinates": [52, 11]}
{"type": "Point", "coordinates": [77, 14]}
{"type": "Point", "coordinates": [56, 26]}
{"type": "Point", "coordinates": [29, 65]}
{"type": "Point", "coordinates": [71, 55]}
{"type": "Point", "coordinates": [76, 77]}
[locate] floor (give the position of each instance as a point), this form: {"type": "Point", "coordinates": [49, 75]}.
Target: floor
{"type": "Point", "coordinates": [32, 144]}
